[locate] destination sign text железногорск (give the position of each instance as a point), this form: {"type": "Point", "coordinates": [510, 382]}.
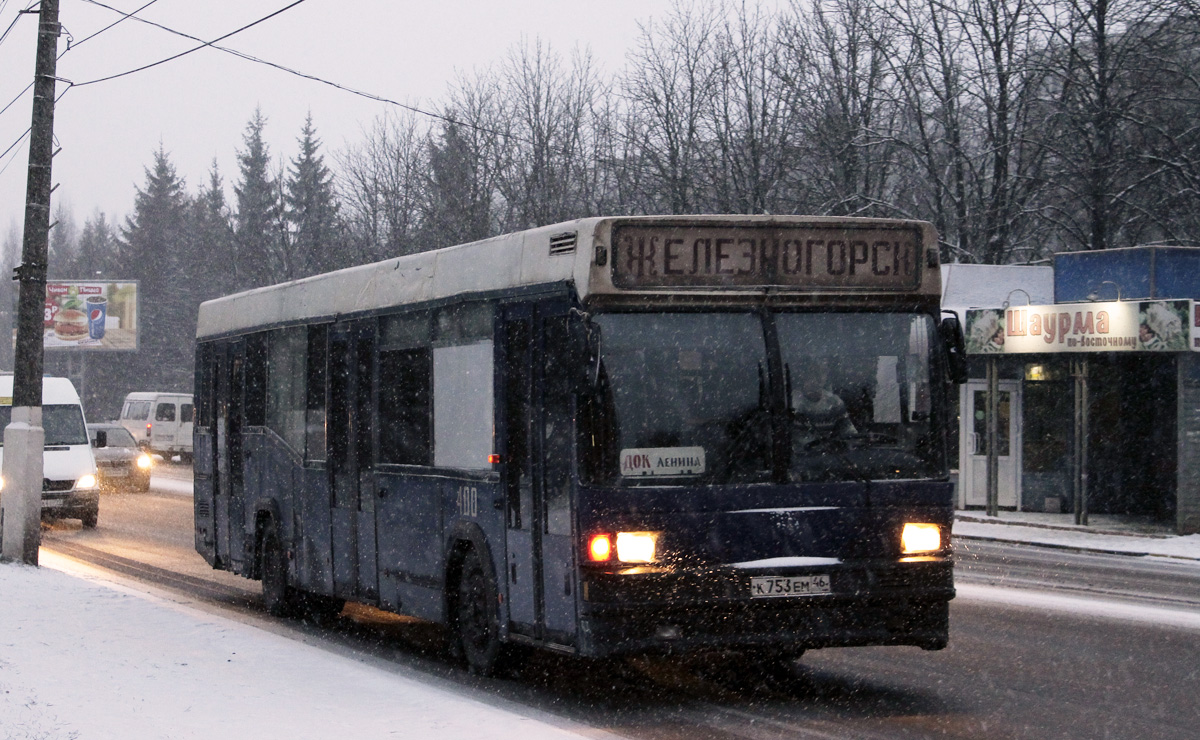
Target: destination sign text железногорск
{"type": "Point", "coordinates": [810, 256]}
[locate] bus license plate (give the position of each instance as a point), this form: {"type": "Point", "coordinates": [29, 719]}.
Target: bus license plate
{"type": "Point", "coordinates": [773, 586]}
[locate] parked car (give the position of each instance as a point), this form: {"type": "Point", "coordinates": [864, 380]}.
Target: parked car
{"type": "Point", "coordinates": [69, 489]}
{"type": "Point", "coordinates": [120, 464]}
{"type": "Point", "coordinates": [161, 422]}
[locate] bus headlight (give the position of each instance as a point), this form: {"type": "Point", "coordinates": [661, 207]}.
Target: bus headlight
{"type": "Point", "coordinates": [86, 482]}
{"type": "Point", "coordinates": [917, 538]}
{"type": "Point", "coordinates": [144, 462]}
{"type": "Point", "coordinates": [636, 547]}
{"type": "Point", "coordinates": [629, 547]}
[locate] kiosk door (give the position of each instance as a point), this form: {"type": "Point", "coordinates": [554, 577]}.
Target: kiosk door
{"type": "Point", "coordinates": [973, 444]}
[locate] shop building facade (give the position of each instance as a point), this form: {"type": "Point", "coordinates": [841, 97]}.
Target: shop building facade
{"type": "Point", "coordinates": [1096, 365]}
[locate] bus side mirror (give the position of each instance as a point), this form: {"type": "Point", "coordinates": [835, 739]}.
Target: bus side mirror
{"type": "Point", "coordinates": [951, 333]}
{"type": "Point", "coordinates": [101, 439]}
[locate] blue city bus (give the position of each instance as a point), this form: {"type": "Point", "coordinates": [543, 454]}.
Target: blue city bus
{"type": "Point", "coordinates": [604, 437]}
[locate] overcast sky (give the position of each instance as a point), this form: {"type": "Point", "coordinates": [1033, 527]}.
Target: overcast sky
{"type": "Point", "coordinates": [197, 106]}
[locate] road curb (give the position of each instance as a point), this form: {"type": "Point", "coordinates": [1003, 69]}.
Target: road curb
{"type": "Point", "coordinates": [1061, 528]}
{"type": "Point", "coordinates": [1075, 548]}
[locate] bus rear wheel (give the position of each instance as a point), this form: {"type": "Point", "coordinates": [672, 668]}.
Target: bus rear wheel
{"type": "Point", "coordinates": [477, 618]}
{"type": "Point", "coordinates": [279, 597]}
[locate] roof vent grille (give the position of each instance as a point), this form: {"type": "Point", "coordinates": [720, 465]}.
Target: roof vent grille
{"type": "Point", "coordinates": [563, 243]}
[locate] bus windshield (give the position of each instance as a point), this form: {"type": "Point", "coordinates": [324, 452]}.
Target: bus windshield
{"type": "Point", "coordinates": [859, 395]}
{"type": "Point", "coordinates": [686, 398]}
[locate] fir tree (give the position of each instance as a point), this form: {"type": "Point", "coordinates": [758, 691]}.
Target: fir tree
{"type": "Point", "coordinates": [213, 252]}
{"type": "Point", "coordinates": [258, 258]}
{"type": "Point", "coordinates": [64, 237]}
{"type": "Point", "coordinates": [97, 249]}
{"type": "Point", "coordinates": [311, 208]}
{"type": "Point", "coordinates": [459, 196]}
{"type": "Point", "coordinates": [154, 248]}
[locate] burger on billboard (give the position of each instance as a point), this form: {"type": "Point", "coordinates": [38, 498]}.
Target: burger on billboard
{"type": "Point", "coordinates": [91, 315]}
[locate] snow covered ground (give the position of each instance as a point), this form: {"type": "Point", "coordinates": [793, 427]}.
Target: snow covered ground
{"type": "Point", "coordinates": [86, 656]}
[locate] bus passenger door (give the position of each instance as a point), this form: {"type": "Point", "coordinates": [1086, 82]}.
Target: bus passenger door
{"type": "Point", "coordinates": [230, 505]}
{"type": "Point", "coordinates": [350, 442]}
{"type": "Point", "coordinates": [556, 448]}
{"type": "Point", "coordinates": [524, 582]}
{"type": "Point", "coordinates": [539, 443]}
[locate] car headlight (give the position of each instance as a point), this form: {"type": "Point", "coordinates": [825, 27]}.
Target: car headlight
{"type": "Point", "coordinates": [144, 461]}
{"type": "Point", "coordinates": [86, 482]}
{"type": "Point", "coordinates": [919, 537]}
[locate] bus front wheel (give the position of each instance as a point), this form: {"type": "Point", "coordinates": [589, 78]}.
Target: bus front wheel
{"type": "Point", "coordinates": [477, 617]}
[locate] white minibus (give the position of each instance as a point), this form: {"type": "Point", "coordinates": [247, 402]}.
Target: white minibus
{"type": "Point", "coordinates": [69, 488]}
{"type": "Point", "coordinates": [161, 422]}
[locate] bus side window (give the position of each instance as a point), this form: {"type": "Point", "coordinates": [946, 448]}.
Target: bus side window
{"type": "Point", "coordinates": [255, 407]}
{"type": "Point", "coordinates": [314, 420]}
{"type": "Point", "coordinates": [285, 386]}
{"type": "Point", "coordinates": [463, 406]}
{"type": "Point", "coordinates": [405, 406]}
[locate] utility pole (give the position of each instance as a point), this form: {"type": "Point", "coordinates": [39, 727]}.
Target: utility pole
{"type": "Point", "coordinates": [24, 437]}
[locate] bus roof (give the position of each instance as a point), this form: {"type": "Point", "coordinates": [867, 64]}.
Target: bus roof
{"type": "Point", "coordinates": [575, 252]}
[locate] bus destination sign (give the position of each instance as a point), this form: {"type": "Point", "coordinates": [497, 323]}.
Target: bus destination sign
{"type": "Point", "coordinates": [807, 256]}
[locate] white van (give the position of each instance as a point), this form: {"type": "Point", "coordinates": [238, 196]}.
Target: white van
{"type": "Point", "coordinates": [69, 486]}
{"type": "Point", "coordinates": [161, 422]}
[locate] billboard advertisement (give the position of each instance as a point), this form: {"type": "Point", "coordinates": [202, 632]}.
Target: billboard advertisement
{"type": "Point", "coordinates": [1125, 326]}
{"type": "Point", "coordinates": [91, 315]}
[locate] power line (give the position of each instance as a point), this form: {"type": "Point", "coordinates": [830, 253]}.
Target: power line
{"type": "Point", "coordinates": [124, 18]}
{"type": "Point", "coordinates": [74, 45]}
{"type": "Point", "coordinates": [189, 51]}
{"type": "Point", "coordinates": [312, 78]}
{"type": "Point", "coordinates": [21, 138]}
{"type": "Point", "coordinates": [10, 25]}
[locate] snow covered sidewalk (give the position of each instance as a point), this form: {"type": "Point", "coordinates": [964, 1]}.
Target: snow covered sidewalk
{"type": "Point", "coordinates": [974, 526]}
{"type": "Point", "coordinates": [87, 657]}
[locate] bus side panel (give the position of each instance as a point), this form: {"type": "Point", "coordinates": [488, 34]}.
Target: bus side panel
{"type": "Point", "coordinates": [314, 548]}
{"type": "Point", "coordinates": [243, 512]}
{"type": "Point", "coordinates": [411, 565]}
{"type": "Point", "coordinates": [204, 497]}
{"type": "Point", "coordinates": [471, 505]}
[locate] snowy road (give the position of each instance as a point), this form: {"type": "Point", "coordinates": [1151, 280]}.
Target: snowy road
{"type": "Point", "coordinates": [1112, 656]}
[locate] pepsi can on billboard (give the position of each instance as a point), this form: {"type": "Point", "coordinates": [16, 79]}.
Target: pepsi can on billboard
{"type": "Point", "coordinates": [97, 311]}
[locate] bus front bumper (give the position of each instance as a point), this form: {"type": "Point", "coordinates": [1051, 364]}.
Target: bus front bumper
{"type": "Point", "coordinates": [879, 604]}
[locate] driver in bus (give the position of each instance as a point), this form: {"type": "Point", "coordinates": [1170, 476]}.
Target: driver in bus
{"type": "Point", "coordinates": [818, 412]}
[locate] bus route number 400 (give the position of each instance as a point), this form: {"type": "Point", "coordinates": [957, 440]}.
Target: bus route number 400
{"type": "Point", "coordinates": [779, 586]}
{"type": "Point", "coordinates": [468, 501]}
